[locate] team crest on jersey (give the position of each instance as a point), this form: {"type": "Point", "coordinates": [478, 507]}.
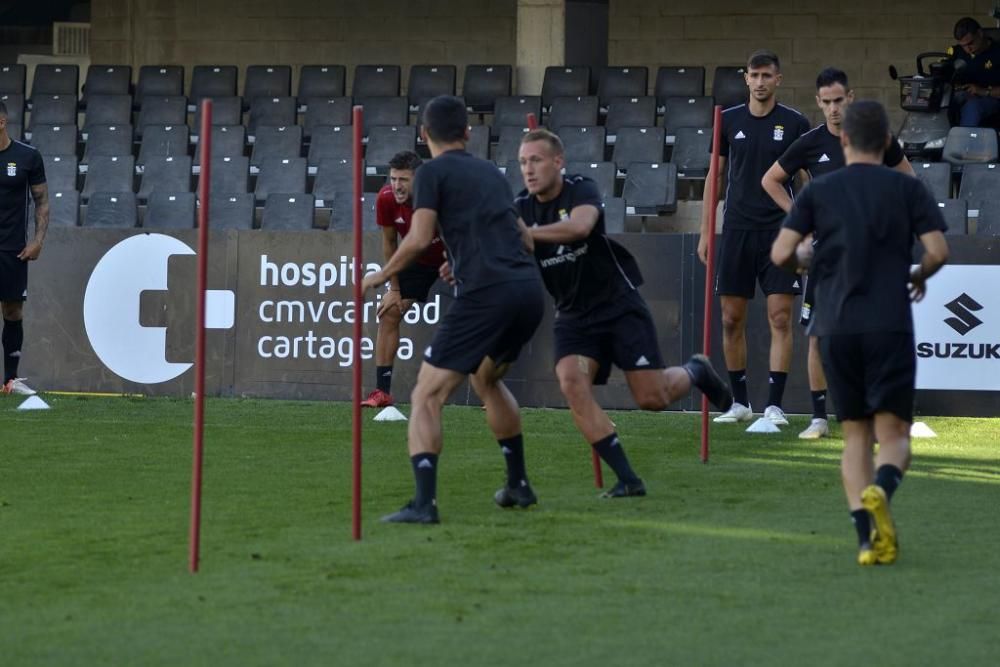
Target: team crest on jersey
{"type": "Point", "coordinates": [779, 132]}
{"type": "Point", "coordinates": [988, 65]}
{"type": "Point", "coordinates": [563, 214]}
{"type": "Point", "coordinates": [12, 169]}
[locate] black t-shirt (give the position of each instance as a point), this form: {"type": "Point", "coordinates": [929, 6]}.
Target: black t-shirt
{"type": "Point", "coordinates": [751, 145]}
{"type": "Point", "coordinates": [818, 152]}
{"type": "Point", "coordinates": [21, 167]}
{"type": "Point", "coordinates": [587, 273]}
{"type": "Point", "coordinates": [476, 218]}
{"type": "Point", "coordinates": [983, 69]}
{"type": "Point", "coordinates": [868, 217]}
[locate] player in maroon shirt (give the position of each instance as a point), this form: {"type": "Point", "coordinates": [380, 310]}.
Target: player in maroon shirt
{"type": "Point", "coordinates": [393, 210]}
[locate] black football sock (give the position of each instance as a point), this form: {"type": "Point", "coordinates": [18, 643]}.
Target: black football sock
{"type": "Point", "coordinates": [611, 452]}
{"type": "Point", "coordinates": [888, 477]}
{"type": "Point", "coordinates": [13, 338]}
{"type": "Point", "coordinates": [862, 524]}
{"type": "Point", "coordinates": [738, 381]}
{"type": "Point", "coordinates": [425, 475]}
{"type": "Point", "coordinates": [513, 454]}
{"type": "Point", "coordinates": [819, 404]}
{"type": "Point", "coordinates": [776, 387]}
{"type": "Point", "coordinates": [383, 378]}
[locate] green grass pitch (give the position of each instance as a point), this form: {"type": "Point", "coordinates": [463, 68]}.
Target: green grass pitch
{"type": "Point", "coordinates": [746, 560]}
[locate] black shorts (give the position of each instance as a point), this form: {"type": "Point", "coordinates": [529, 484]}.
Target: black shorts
{"type": "Point", "coordinates": [13, 276]}
{"type": "Point", "coordinates": [744, 259]}
{"type": "Point", "coordinates": [808, 301]}
{"type": "Point", "coordinates": [415, 281]}
{"type": "Point", "coordinates": [622, 334]}
{"type": "Point", "coordinates": [492, 322]}
{"type": "Point", "coordinates": [869, 373]}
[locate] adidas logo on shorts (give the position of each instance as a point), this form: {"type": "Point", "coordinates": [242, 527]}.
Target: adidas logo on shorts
{"type": "Point", "coordinates": [642, 361]}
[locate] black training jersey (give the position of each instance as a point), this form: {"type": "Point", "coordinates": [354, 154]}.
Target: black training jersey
{"type": "Point", "coordinates": [476, 218]}
{"type": "Point", "coordinates": [818, 152]}
{"type": "Point", "coordinates": [982, 69]}
{"type": "Point", "coordinates": [21, 167]}
{"type": "Point", "coordinates": [751, 145]}
{"type": "Point", "coordinates": [868, 217]}
{"type": "Point", "coordinates": [586, 273]}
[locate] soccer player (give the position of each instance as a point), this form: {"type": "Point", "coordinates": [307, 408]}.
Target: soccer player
{"type": "Point", "coordinates": [498, 302]}
{"type": "Point", "coordinates": [24, 174]}
{"type": "Point", "coordinates": [818, 152]}
{"type": "Point", "coordinates": [600, 317]}
{"type": "Point", "coordinates": [867, 217]}
{"type": "Point", "coordinates": [393, 211]}
{"type": "Point", "coordinates": [754, 135]}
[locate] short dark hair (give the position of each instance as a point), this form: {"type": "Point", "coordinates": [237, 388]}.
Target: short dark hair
{"type": "Point", "coordinates": [763, 58]}
{"type": "Point", "coordinates": [446, 119]}
{"type": "Point", "coordinates": [551, 138]}
{"type": "Point", "coordinates": [966, 26]}
{"type": "Point", "coordinates": [867, 126]}
{"type": "Point", "coordinates": [831, 76]}
{"type": "Point", "coordinates": [405, 160]}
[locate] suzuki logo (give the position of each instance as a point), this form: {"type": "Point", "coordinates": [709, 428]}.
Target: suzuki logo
{"type": "Point", "coordinates": [964, 321]}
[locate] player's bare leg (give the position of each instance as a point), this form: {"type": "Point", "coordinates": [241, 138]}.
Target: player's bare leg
{"type": "Point", "coordinates": [779, 319]}
{"type": "Point", "coordinates": [13, 338]}
{"type": "Point", "coordinates": [892, 461]}
{"type": "Point", "coordinates": [656, 389]}
{"type": "Point", "coordinates": [734, 350]}
{"type": "Point", "coordinates": [386, 346]}
{"type": "Point", "coordinates": [857, 471]}
{"type": "Point", "coordinates": [819, 426]}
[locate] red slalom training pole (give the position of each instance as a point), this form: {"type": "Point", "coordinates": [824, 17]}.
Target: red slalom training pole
{"type": "Point", "coordinates": [205, 146]}
{"type": "Point", "coordinates": [598, 473]}
{"type": "Point", "coordinates": [713, 198]}
{"type": "Point", "coordinates": [358, 296]}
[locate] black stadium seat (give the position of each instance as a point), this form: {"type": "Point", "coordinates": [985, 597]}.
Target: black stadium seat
{"type": "Point", "coordinates": [54, 139]}
{"type": "Point", "coordinates": [106, 80]}
{"type": "Point", "coordinates": [630, 112]}
{"type": "Point", "coordinates": [583, 144]}
{"type": "Point", "coordinates": [13, 78]}
{"type": "Point", "coordinates": [64, 208]}
{"type": "Point", "coordinates": [271, 141]}
{"type": "Point", "coordinates": [956, 216]}
{"type": "Point", "coordinates": [602, 173]}
{"type": "Point", "coordinates": [573, 112]}
{"type": "Point", "coordinates": [170, 210]}
{"type": "Point", "coordinates": [56, 80]}
{"type": "Point", "coordinates": [429, 81]}
{"type": "Point", "coordinates": [231, 210]}
{"type": "Point", "coordinates": [483, 84]}
{"type": "Point", "coordinates": [970, 145]}
{"type": "Point", "coordinates": [638, 144]}
{"type": "Point", "coordinates": [383, 111]}
{"type": "Point", "coordinates": [111, 209]}
{"type": "Point", "coordinates": [230, 175]}
{"type": "Point", "coordinates": [53, 110]}
{"type": "Point", "coordinates": [618, 81]}
{"type": "Point", "coordinates": [509, 144]}
{"type": "Point", "coordinates": [614, 215]}
{"type": "Point", "coordinates": [479, 141]}
{"type": "Point", "coordinates": [936, 176]}
{"type": "Point", "coordinates": [376, 81]}
{"type": "Point", "coordinates": [227, 141]}
{"type": "Point", "coordinates": [109, 173]}
{"type": "Point", "coordinates": [107, 110]}
{"type": "Point", "coordinates": [292, 212]}
{"type": "Point", "coordinates": [163, 111]}
{"type": "Point", "coordinates": [267, 81]}
{"type": "Point", "coordinates": [333, 111]}
{"type": "Point", "coordinates": [385, 141]}
{"type": "Point", "coordinates": [564, 82]}
{"type": "Point", "coordinates": [678, 82]}
{"type": "Point", "coordinates": [108, 140]}
{"type": "Point", "coordinates": [692, 152]}
{"type": "Point", "coordinates": [15, 107]}
{"type": "Point", "coordinates": [681, 112]}
{"type": "Point", "coordinates": [729, 87]}
{"type": "Point", "coordinates": [165, 174]}
{"type": "Point", "coordinates": [514, 111]}
{"type": "Point", "coordinates": [275, 111]}
{"type": "Point", "coordinates": [159, 81]}
{"type": "Point", "coordinates": [334, 179]}
{"type": "Point", "coordinates": [60, 172]}
{"type": "Point", "coordinates": [979, 182]}
{"type": "Point", "coordinates": [212, 81]}
{"type": "Point", "coordinates": [321, 81]}
{"type": "Point", "coordinates": [512, 172]}
{"type": "Point", "coordinates": [226, 110]}
{"type": "Point", "coordinates": [15, 131]}
{"type": "Point", "coordinates": [650, 188]}
{"type": "Point", "coordinates": [330, 142]}
{"type": "Point", "coordinates": [280, 174]}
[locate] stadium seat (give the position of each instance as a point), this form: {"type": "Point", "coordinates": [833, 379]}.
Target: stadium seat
{"type": "Point", "coordinates": [283, 142]}
{"type": "Point", "coordinates": [56, 80]}
{"type": "Point", "coordinates": [227, 141]}
{"type": "Point", "coordinates": [225, 111]}
{"type": "Point", "coordinates": [54, 139]}
{"type": "Point", "coordinates": [109, 173]}
{"type": "Point", "coordinates": [376, 81]}
{"type": "Point", "coordinates": [602, 173]}
{"type": "Point", "coordinates": [979, 182]}
{"type": "Point", "coordinates": [15, 131]}
{"type": "Point", "coordinates": [15, 107]}
{"type": "Point", "coordinates": [617, 81]}
{"type": "Point", "coordinates": [429, 81]}
{"type": "Point", "coordinates": [936, 176]}
{"type": "Point", "coordinates": [64, 208]}
{"type": "Point", "coordinates": [321, 81]}
{"type": "Point", "coordinates": [385, 141]}
{"type": "Point", "coordinates": [692, 152]}
{"type": "Point", "coordinates": [650, 188]}
{"type": "Point", "coordinates": [232, 210]}
{"type": "Point", "coordinates": [288, 212]}
{"type": "Point", "coordinates": [280, 174]}
{"type": "Point", "coordinates": [165, 174]}
{"type": "Point", "coordinates": [956, 216]}
{"type": "Point", "coordinates": [342, 214]}
{"type": "Point", "coordinates": [171, 210]}
{"type": "Point", "coordinates": [512, 172]}
{"type": "Point", "coordinates": [60, 172]}
{"type": "Point", "coordinates": [630, 112]}
{"type": "Point", "coordinates": [970, 145]}
{"type": "Point", "coordinates": [274, 111]}
{"type": "Point", "coordinates": [163, 111]}
{"type": "Point", "coordinates": [212, 81]}
{"type": "Point", "coordinates": [13, 78]}
{"type": "Point", "coordinates": [583, 144]}
{"type": "Point", "coordinates": [329, 142]}
{"type": "Point", "coordinates": [483, 84]}
{"type": "Point", "coordinates": [111, 209]}
{"type": "Point", "coordinates": [988, 222]}
{"type": "Point", "coordinates": [383, 111]}
{"type": "Point", "coordinates": [334, 180]}
{"type": "Point", "coordinates": [678, 82]}
{"type": "Point", "coordinates": [159, 81]}
{"type": "Point", "coordinates": [513, 111]}
{"type": "Point", "coordinates": [230, 175]}
{"type": "Point", "coordinates": [52, 110]}
{"type": "Point", "coordinates": [681, 112]}
{"type": "Point", "coordinates": [268, 81]}
{"type": "Point", "coordinates": [113, 140]}
{"type": "Point", "coordinates": [638, 144]}
{"type": "Point", "coordinates": [614, 215]}
{"type": "Point", "coordinates": [106, 80]}
{"type": "Point", "coordinates": [107, 110]}
{"type": "Point", "coordinates": [479, 141]}
{"type": "Point", "coordinates": [508, 145]}
{"type": "Point", "coordinates": [564, 82]}
{"type": "Point", "coordinates": [572, 112]}
{"type": "Point", "coordinates": [729, 87]}
{"type": "Point", "coordinates": [333, 111]}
